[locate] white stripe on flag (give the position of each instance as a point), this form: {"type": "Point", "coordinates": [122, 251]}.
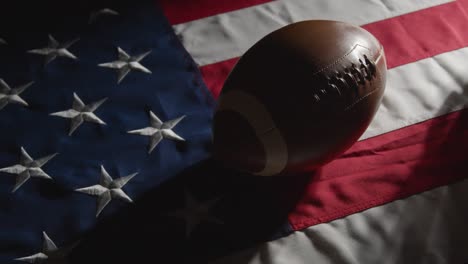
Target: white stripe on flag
{"type": "Point", "coordinates": [229, 35]}
{"type": "Point", "coordinates": [422, 90]}
{"type": "Point", "coordinates": [420, 229]}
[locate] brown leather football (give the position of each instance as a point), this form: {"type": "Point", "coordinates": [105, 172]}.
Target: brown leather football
{"type": "Point", "coordinates": [299, 97]}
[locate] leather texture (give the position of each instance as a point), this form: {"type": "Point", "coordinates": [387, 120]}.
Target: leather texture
{"type": "Point", "coordinates": [320, 82]}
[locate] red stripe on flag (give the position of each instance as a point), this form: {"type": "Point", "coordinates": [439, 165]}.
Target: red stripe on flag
{"type": "Point", "coordinates": [422, 34]}
{"type": "Point", "coordinates": [385, 168]}
{"type": "Point", "coordinates": [181, 11]}
{"type": "Point", "coordinates": [215, 74]}
{"type": "Point", "coordinates": [406, 38]}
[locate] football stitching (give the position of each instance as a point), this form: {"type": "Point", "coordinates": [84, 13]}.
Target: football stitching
{"type": "Point", "coordinates": [340, 58]}
{"type": "Point", "coordinates": [375, 89]}
{"type": "Point", "coordinates": [352, 77]}
{"type": "Point", "coordinates": [334, 87]}
{"type": "Point", "coordinates": [349, 78]}
{"type": "Point", "coordinates": [360, 99]}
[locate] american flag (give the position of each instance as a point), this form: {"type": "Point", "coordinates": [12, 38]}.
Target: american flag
{"type": "Point", "coordinates": [106, 132]}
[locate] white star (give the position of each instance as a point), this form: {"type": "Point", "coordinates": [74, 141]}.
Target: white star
{"type": "Point", "coordinates": [195, 213]}
{"type": "Point", "coordinates": [105, 11]}
{"type": "Point", "coordinates": [49, 254]}
{"type": "Point", "coordinates": [81, 112]}
{"type": "Point", "coordinates": [159, 130]}
{"type": "Point", "coordinates": [126, 63]}
{"type": "Point", "coordinates": [8, 95]}
{"type": "Point", "coordinates": [3, 42]}
{"type": "Point", "coordinates": [108, 189]}
{"type": "Point", "coordinates": [27, 168]}
{"type": "Point", "coordinates": [55, 49]}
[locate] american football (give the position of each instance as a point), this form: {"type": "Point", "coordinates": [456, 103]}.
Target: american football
{"type": "Point", "coordinates": [299, 97]}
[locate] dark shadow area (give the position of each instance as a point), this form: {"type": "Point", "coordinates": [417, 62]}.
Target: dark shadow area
{"type": "Point", "coordinates": [251, 209]}
{"type": "Point", "coordinates": [52, 15]}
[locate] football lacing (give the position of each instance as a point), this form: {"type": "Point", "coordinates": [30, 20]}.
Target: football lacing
{"type": "Point", "coordinates": [350, 78]}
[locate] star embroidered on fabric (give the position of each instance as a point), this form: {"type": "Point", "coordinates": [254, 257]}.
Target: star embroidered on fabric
{"type": "Point", "coordinates": [9, 95]}
{"type": "Point", "coordinates": [3, 42]}
{"type": "Point", "coordinates": [81, 112]}
{"type": "Point", "coordinates": [105, 11]}
{"type": "Point", "coordinates": [54, 49]}
{"type": "Point", "coordinates": [196, 212]}
{"type": "Point", "coordinates": [50, 253]}
{"type": "Point", "coordinates": [127, 63]}
{"type": "Point", "coordinates": [108, 189]}
{"type": "Point", "coordinates": [27, 168]}
{"type": "Point", "coordinates": [159, 130]}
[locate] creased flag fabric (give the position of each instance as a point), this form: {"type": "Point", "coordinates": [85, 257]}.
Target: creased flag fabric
{"type": "Point", "coordinates": [93, 115]}
{"type": "Point", "coordinates": [105, 120]}
{"type": "Point", "coordinates": [397, 195]}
